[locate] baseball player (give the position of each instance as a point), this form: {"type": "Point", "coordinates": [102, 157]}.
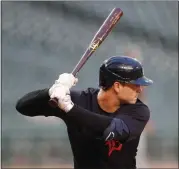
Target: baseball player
{"type": "Point", "coordinates": [104, 124]}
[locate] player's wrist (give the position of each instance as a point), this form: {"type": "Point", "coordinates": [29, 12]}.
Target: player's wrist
{"type": "Point", "coordinates": [65, 103]}
{"type": "Point", "coordinates": [68, 107]}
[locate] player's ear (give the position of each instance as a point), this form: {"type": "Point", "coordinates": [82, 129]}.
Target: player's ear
{"type": "Point", "coordinates": [117, 87]}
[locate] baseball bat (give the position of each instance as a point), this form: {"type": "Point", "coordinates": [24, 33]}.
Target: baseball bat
{"type": "Point", "coordinates": [98, 38]}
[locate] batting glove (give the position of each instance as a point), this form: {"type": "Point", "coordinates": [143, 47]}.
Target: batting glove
{"type": "Point", "coordinates": [62, 94]}
{"type": "Point", "coordinates": [65, 103]}
{"type": "Point", "coordinates": [61, 90]}
{"type": "Point", "coordinates": [66, 79]}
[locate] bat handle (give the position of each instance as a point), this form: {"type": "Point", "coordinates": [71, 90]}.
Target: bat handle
{"type": "Point", "coordinates": [53, 102]}
{"type": "Point", "coordinates": [75, 70]}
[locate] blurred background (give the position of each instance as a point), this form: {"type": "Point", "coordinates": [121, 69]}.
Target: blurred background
{"type": "Point", "coordinates": [40, 40]}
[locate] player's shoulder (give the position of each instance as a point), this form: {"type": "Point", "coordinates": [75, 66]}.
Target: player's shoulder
{"type": "Point", "coordinates": [90, 91]}
{"type": "Point", "coordinates": [139, 110]}
{"type": "Point", "coordinates": [139, 105]}
{"type": "Point", "coordinates": [87, 91]}
{"type": "Point", "coordinates": [77, 94]}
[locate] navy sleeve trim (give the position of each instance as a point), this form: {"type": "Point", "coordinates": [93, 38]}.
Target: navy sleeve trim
{"type": "Point", "coordinates": [117, 130]}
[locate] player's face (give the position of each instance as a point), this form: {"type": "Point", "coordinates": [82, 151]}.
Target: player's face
{"type": "Point", "coordinates": [128, 93]}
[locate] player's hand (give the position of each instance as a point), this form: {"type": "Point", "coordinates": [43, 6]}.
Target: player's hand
{"type": "Point", "coordinates": [66, 79]}
{"type": "Point", "coordinates": [61, 90]}
{"type": "Point", "coordinates": [62, 94]}
{"type": "Point", "coordinates": [58, 90]}
{"type": "Point", "coordinates": [65, 103]}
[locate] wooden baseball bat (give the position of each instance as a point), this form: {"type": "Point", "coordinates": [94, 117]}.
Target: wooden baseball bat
{"type": "Point", "coordinates": [98, 38]}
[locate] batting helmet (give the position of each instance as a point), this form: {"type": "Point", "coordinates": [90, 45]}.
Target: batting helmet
{"type": "Point", "coordinates": [123, 69]}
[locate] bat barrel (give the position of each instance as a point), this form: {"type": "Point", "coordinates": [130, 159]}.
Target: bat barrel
{"type": "Point", "coordinates": [99, 37]}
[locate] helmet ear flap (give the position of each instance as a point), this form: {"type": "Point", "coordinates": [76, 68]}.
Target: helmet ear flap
{"type": "Point", "coordinates": [105, 81]}
{"type": "Point", "coordinates": [102, 79]}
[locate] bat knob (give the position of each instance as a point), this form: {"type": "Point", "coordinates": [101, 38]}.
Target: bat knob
{"type": "Point", "coordinates": [53, 102]}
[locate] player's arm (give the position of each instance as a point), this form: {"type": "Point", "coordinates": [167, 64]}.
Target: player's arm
{"type": "Point", "coordinates": [122, 128]}
{"type": "Point", "coordinates": [36, 104]}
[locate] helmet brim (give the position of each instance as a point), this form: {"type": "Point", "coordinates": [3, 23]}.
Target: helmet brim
{"type": "Point", "coordinates": [143, 81]}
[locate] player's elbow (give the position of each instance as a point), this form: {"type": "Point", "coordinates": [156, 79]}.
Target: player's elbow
{"type": "Point", "coordinates": [21, 108]}
{"type": "Point", "coordinates": [117, 130]}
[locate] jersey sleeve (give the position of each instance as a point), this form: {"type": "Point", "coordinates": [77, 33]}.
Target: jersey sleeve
{"type": "Point", "coordinates": [36, 104]}
{"type": "Point", "coordinates": [135, 119]}
{"type": "Point", "coordinates": [124, 127]}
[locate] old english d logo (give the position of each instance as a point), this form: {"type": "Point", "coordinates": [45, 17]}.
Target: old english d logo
{"type": "Point", "coordinates": [113, 145]}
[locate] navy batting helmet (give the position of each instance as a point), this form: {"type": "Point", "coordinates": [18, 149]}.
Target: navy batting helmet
{"type": "Point", "coordinates": [123, 69]}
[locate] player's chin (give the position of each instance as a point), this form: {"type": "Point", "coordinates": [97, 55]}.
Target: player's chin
{"type": "Point", "coordinates": [128, 101]}
{"type": "Point", "coordinates": [132, 101]}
